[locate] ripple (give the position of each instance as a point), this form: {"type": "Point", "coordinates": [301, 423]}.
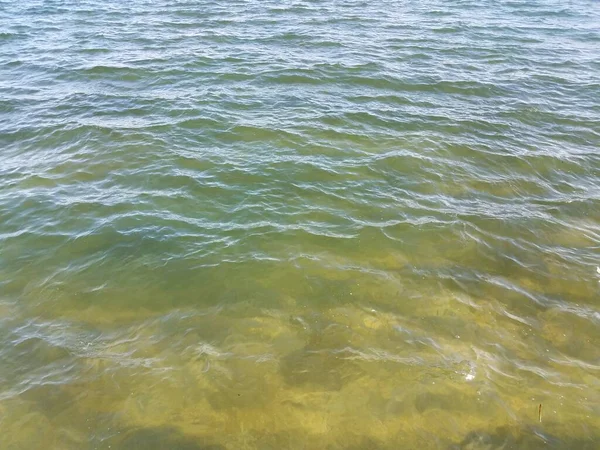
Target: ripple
{"type": "Point", "coordinates": [350, 225]}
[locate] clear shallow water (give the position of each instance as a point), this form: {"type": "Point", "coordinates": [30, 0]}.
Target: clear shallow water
{"type": "Point", "coordinates": [353, 225]}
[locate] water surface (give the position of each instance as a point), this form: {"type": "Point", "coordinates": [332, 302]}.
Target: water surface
{"type": "Point", "coordinates": [304, 225]}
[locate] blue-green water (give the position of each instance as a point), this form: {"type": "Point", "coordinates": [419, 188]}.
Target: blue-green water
{"type": "Point", "coordinates": [303, 225]}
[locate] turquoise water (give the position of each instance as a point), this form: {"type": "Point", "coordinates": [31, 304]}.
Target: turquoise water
{"type": "Point", "coordinates": [303, 225]}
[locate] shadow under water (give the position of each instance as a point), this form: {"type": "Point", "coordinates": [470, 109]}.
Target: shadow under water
{"type": "Point", "coordinates": [158, 438]}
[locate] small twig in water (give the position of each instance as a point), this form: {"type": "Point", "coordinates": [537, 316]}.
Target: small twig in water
{"type": "Point", "coordinates": [540, 413]}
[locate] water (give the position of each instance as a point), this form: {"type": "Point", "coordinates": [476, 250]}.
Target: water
{"type": "Point", "coordinates": [267, 225]}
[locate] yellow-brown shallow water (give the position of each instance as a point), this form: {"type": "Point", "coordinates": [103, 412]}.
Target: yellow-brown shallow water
{"type": "Point", "coordinates": [303, 225]}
